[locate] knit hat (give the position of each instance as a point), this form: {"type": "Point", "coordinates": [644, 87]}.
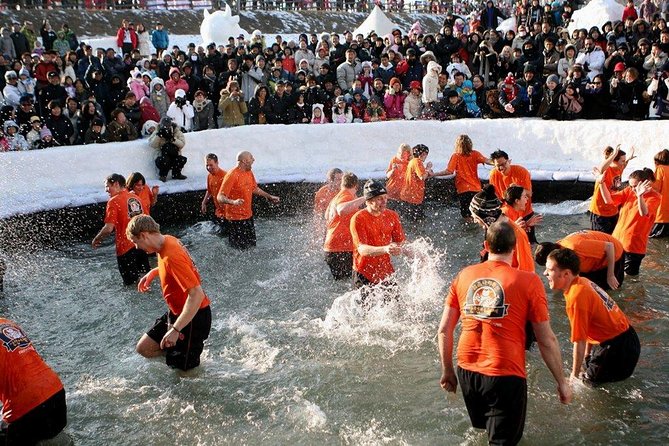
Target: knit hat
{"type": "Point", "coordinates": [179, 93]}
{"type": "Point", "coordinates": [45, 132]}
{"type": "Point", "coordinates": [510, 79]}
{"type": "Point", "coordinates": [553, 78]}
{"type": "Point", "coordinates": [373, 189]}
{"type": "Point", "coordinates": [619, 67]}
{"type": "Point", "coordinates": [416, 85]}
{"type": "Point", "coordinates": [340, 99]}
{"type": "Point", "coordinates": [24, 72]}
{"type": "Point", "coordinates": [11, 74]}
{"type": "Point", "coordinates": [486, 206]}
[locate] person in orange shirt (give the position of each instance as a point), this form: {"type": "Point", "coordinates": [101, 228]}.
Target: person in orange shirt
{"type": "Point", "coordinates": [32, 396]}
{"type": "Point", "coordinates": [413, 190]}
{"type": "Point", "coordinates": [486, 209]}
{"type": "Point", "coordinates": [515, 202]}
{"type": "Point", "coordinates": [464, 164]}
{"type": "Point", "coordinates": [180, 333]}
{"type": "Point", "coordinates": [121, 207]}
{"type": "Point", "coordinates": [396, 171]}
{"type": "Point", "coordinates": [495, 302]}
{"type": "Point", "coordinates": [661, 185]}
{"type": "Point", "coordinates": [603, 216]}
{"type": "Point", "coordinates": [600, 255]}
{"type": "Point", "coordinates": [606, 347]}
{"type": "Point", "coordinates": [214, 180]}
{"type": "Point", "coordinates": [338, 244]}
{"type": "Point", "coordinates": [638, 206]}
{"type": "Point", "coordinates": [236, 193]}
{"type": "Point", "coordinates": [504, 175]}
{"type": "Point", "coordinates": [327, 192]}
{"type": "Point", "coordinates": [136, 184]}
{"type": "Point", "coordinates": [377, 235]}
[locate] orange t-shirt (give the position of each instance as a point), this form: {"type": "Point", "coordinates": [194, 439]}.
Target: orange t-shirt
{"type": "Point", "coordinates": [522, 254]}
{"type": "Point", "coordinates": [395, 182]}
{"type": "Point", "coordinates": [26, 381]}
{"type": "Point", "coordinates": [510, 212]}
{"type": "Point", "coordinates": [594, 317]}
{"type": "Point", "coordinates": [178, 274]}
{"type": "Point", "coordinates": [632, 229]}
{"type": "Point", "coordinates": [338, 236]}
{"type": "Point", "coordinates": [214, 181]}
{"type": "Point", "coordinates": [146, 197]}
{"type": "Point", "coordinates": [120, 209]}
{"type": "Point", "coordinates": [517, 175]}
{"type": "Point", "coordinates": [381, 230]}
{"type": "Point", "coordinates": [322, 199]}
{"type": "Point", "coordinates": [413, 190]}
{"type": "Point", "coordinates": [590, 247]}
{"type": "Point", "coordinates": [466, 171]}
{"type": "Point", "coordinates": [239, 183]}
{"type": "Point", "coordinates": [613, 181]}
{"type": "Point", "coordinates": [662, 186]}
{"type": "Point", "coordinates": [495, 301]}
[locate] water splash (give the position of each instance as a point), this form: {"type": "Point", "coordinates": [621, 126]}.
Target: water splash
{"type": "Point", "coordinates": [569, 207]}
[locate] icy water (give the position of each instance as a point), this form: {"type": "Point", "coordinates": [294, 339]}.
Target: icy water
{"type": "Point", "coordinates": [291, 360]}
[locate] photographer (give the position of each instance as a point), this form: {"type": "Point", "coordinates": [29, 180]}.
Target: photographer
{"type": "Point", "coordinates": [181, 111]}
{"type": "Point", "coordinates": [659, 91]}
{"type": "Point", "coordinates": [169, 140]}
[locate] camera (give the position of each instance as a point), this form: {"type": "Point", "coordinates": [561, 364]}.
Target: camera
{"type": "Point", "coordinates": [167, 133]}
{"type": "Point", "coordinates": [180, 101]}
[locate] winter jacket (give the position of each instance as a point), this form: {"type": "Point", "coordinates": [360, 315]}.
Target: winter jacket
{"type": "Point", "coordinates": [61, 128]}
{"type": "Point", "coordinates": [548, 109]}
{"type": "Point", "coordinates": [159, 99]}
{"type": "Point", "coordinates": [592, 61]}
{"type": "Point", "coordinates": [394, 105]}
{"type": "Point", "coordinates": [137, 86]}
{"type": "Point", "coordinates": [431, 83]}
{"type": "Point", "coordinates": [120, 37]}
{"type": "Point", "coordinates": [570, 108]}
{"type": "Point", "coordinates": [385, 73]}
{"type": "Point", "coordinates": [250, 80]}
{"type": "Point", "coordinates": [148, 112]}
{"type": "Point", "coordinates": [160, 38]}
{"type": "Point", "coordinates": [204, 115]}
{"type": "Point", "coordinates": [92, 137]}
{"type": "Point", "coordinates": [280, 107]}
{"type": "Point", "coordinates": [144, 44]}
{"type": "Point", "coordinates": [339, 117]}
{"type": "Point", "coordinates": [413, 107]}
{"type": "Point", "coordinates": [121, 132]}
{"type": "Point", "coordinates": [16, 142]}
{"type": "Point", "coordinates": [156, 141]}
{"type": "Point", "coordinates": [259, 113]}
{"type": "Point", "coordinates": [171, 87]}
{"type": "Point", "coordinates": [347, 73]}
{"type": "Point", "coordinates": [182, 116]}
{"type": "Point", "coordinates": [232, 110]}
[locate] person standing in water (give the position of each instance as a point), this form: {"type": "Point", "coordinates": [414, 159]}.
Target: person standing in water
{"type": "Point", "coordinates": [413, 190]}
{"type": "Point", "coordinates": [396, 171]}
{"type": "Point", "coordinates": [604, 216]}
{"type": "Point", "coordinates": [214, 180]}
{"type": "Point", "coordinates": [661, 185]}
{"type": "Point", "coordinates": [328, 191]}
{"type": "Point", "coordinates": [136, 184]}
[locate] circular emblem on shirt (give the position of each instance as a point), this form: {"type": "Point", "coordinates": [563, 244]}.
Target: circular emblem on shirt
{"type": "Point", "coordinates": [485, 300]}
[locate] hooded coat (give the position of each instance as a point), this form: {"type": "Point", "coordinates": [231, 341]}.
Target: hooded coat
{"type": "Point", "coordinates": [159, 99]}
{"type": "Point", "coordinates": [431, 83]}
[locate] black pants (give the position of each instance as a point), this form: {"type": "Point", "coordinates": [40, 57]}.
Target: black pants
{"type": "Point", "coordinates": [613, 360]}
{"type": "Point", "coordinates": [166, 162]}
{"type": "Point", "coordinates": [633, 263]}
{"type": "Point", "coordinates": [242, 233]}
{"type": "Point", "coordinates": [660, 230]}
{"type": "Point", "coordinates": [341, 264]}
{"type": "Point", "coordinates": [133, 265]}
{"type": "Point", "coordinates": [126, 48]}
{"type": "Point", "coordinates": [222, 226]}
{"type": "Point", "coordinates": [465, 200]}
{"type": "Point", "coordinates": [389, 287]}
{"type": "Point", "coordinates": [599, 276]}
{"type": "Point", "coordinates": [43, 422]}
{"type": "Point", "coordinates": [603, 224]}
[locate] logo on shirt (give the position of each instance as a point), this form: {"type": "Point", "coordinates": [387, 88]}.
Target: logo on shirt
{"type": "Point", "coordinates": [485, 300]}
{"type": "Point", "coordinates": [609, 303]}
{"type": "Point", "coordinates": [134, 207]}
{"type": "Point", "coordinates": [12, 337]}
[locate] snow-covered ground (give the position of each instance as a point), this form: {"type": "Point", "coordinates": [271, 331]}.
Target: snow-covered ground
{"type": "Point", "coordinates": [73, 176]}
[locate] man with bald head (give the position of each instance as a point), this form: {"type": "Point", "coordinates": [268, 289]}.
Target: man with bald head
{"type": "Point", "coordinates": [236, 194]}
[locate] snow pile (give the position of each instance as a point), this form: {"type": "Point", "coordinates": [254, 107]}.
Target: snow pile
{"type": "Point", "coordinates": [220, 25]}
{"type": "Point", "coordinates": [377, 22]}
{"type": "Point", "coordinates": [74, 176]}
{"type": "Point", "coordinates": [596, 13]}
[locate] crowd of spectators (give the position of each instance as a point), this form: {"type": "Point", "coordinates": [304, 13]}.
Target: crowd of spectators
{"type": "Point", "coordinates": [57, 91]}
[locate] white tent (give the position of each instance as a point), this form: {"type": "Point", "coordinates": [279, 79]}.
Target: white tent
{"type": "Point", "coordinates": [596, 13]}
{"type": "Point", "coordinates": [377, 22]}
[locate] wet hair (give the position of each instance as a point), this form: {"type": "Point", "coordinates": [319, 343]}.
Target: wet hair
{"type": "Point", "coordinates": [116, 178]}
{"type": "Point", "coordinates": [211, 156]}
{"type": "Point", "coordinates": [141, 223]}
{"type": "Point", "coordinates": [643, 175]}
{"type": "Point", "coordinates": [662, 157]}
{"type": "Point", "coordinates": [463, 145]}
{"type": "Point", "coordinates": [349, 179]}
{"type": "Point", "coordinates": [609, 150]}
{"type": "Point", "coordinates": [499, 154]}
{"type": "Point", "coordinates": [419, 149]}
{"type": "Point", "coordinates": [542, 251]}
{"type": "Point", "coordinates": [333, 172]}
{"type": "Point", "coordinates": [501, 238]}
{"type": "Point", "coordinates": [133, 179]}
{"type": "Point", "coordinates": [513, 193]}
{"type": "Point", "coordinates": [565, 258]}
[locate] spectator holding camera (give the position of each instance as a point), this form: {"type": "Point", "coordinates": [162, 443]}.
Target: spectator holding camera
{"type": "Point", "coordinates": [181, 111]}
{"type": "Point", "coordinates": [169, 140]}
{"type": "Point", "coordinates": [232, 106]}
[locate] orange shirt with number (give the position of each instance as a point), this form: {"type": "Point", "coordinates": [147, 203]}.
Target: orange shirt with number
{"type": "Point", "coordinates": [381, 230]}
{"type": "Point", "coordinates": [517, 175]}
{"type": "Point", "coordinates": [395, 181]}
{"type": "Point", "coordinates": [590, 247]}
{"type": "Point", "coordinates": [662, 186]}
{"type": "Point", "coordinates": [632, 229]}
{"type": "Point", "coordinates": [613, 181]}
{"type": "Point", "coordinates": [322, 199]}
{"type": "Point", "coordinates": [120, 209]}
{"type": "Point", "coordinates": [26, 381]}
{"type": "Point", "coordinates": [494, 301]}
{"type": "Point", "coordinates": [466, 171]}
{"type": "Point", "coordinates": [413, 189]}
{"type": "Point", "coordinates": [594, 317]}
{"type": "Point", "coordinates": [178, 274]}
{"type": "Point", "coordinates": [239, 183]}
{"type": "Point", "coordinates": [338, 237]}
{"type": "Point", "coordinates": [214, 181]}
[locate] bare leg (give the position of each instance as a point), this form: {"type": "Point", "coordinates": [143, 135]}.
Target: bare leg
{"type": "Point", "coordinates": [148, 348]}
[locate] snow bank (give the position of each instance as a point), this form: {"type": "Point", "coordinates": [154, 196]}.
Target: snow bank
{"type": "Point", "coordinates": [74, 176]}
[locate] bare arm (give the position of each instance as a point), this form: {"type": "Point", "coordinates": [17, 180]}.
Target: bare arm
{"type": "Point", "coordinates": [550, 352]}
{"type": "Point", "coordinates": [191, 307]}
{"type": "Point", "coordinates": [578, 355]}
{"type": "Point", "coordinates": [262, 193]}
{"type": "Point", "coordinates": [449, 320]}
{"type": "Point", "coordinates": [610, 266]}
{"type": "Point", "coordinates": [350, 206]}
{"type": "Point", "coordinates": [107, 229]}
{"type": "Point", "coordinates": [225, 200]}
{"type": "Point", "coordinates": [203, 206]}
{"type": "Point", "coordinates": [604, 192]}
{"type": "Point", "coordinates": [607, 162]}
{"type": "Point", "coordinates": [372, 251]}
{"type": "Point", "coordinates": [640, 190]}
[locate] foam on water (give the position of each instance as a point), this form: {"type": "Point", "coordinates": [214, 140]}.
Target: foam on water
{"type": "Point", "coordinates": [569, 207]}
{"type": "Point", "coordinates": [374, 434]}
{"type": "Point", "coordinates": [251, 349]}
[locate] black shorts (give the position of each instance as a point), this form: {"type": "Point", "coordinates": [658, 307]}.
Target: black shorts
{"type": "Point", "coordinates": [389, 287]}
{"type": "Point", "coordinates": [633, 263]}
{"type": "Point", "coordinates": [43, 422]}
{"type": "Point", "coordinates": [222, 224]}
{"type": "Point", "coordinates": [465, 199]}
{"type": "Point", "coordinates": [341, 264]}
{"type": "Point", "coordinates": [495, 403]}
{"type": "Point", "coordinates": [660, 230]}
{"type": "Point", "coordinates": [613, 360]}
{"type": "Point", "coordinates": [186, 353]}
{"type": "Point", "coordinates": [603, 224]}
{"type": "Point", "coordinates": [241, 233]}
{"type": "Point", "coordinates": [599, 276]}
{"type": "Point", "coordinates": [132, 265]}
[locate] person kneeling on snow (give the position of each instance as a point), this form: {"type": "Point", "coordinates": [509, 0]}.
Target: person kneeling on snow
{"type": "Point", "coordinates": [169, 140]}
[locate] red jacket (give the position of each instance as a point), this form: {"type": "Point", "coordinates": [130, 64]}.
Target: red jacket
{"type": "Point", "coordinates": [121, 34]}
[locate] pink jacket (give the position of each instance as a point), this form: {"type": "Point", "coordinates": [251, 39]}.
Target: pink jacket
{"type": "Point", "coordinates": [394, 105]}
{"type": "Point", "coordinates": [171, 87]}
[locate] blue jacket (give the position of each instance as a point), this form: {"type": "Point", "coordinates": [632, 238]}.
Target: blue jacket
{"type": "Point", "coordinates": [160, 38]}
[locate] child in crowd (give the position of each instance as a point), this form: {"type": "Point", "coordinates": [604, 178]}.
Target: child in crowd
{"type": "Point", "coordinates": [317, 115]}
